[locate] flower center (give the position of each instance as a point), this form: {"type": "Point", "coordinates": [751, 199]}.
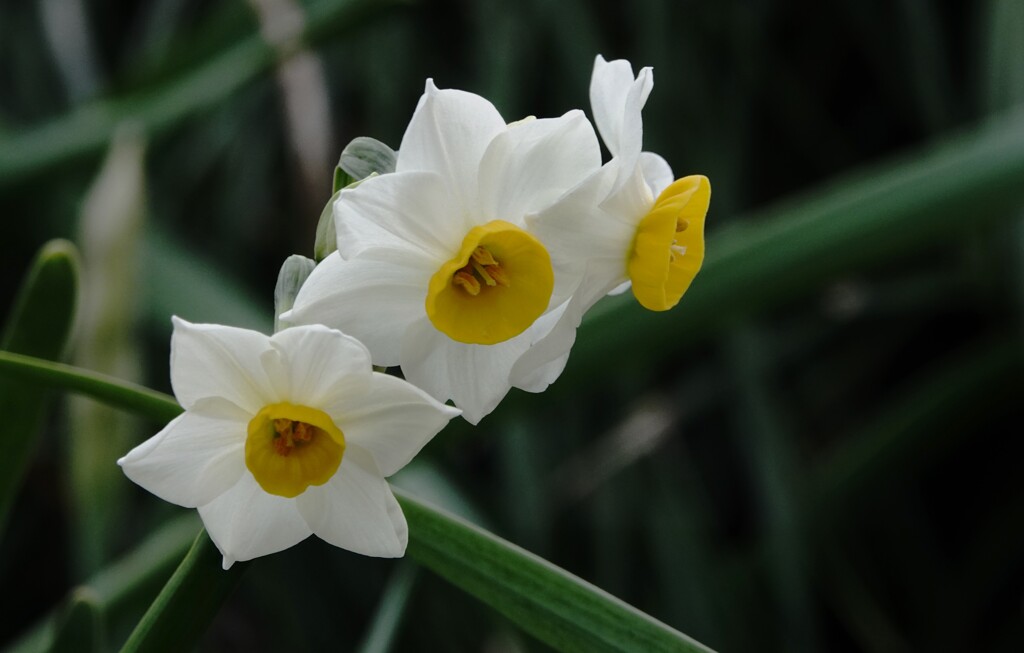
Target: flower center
{"type": "Point", "coordinates": [668, 248]}
{"type": "Point", "coordinates": [496, 286]}
{"type": "Point", "coordinates": [291, 447]}
{"type": "Point", "coordinates": [482, 268]}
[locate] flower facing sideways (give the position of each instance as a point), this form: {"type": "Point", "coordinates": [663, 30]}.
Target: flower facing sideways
{"type": "Point", "coordinates": [285, 436]}
{"type": "Point", "coordinates": [632, 223]}
{"type": "Point", "coordinates": [435, 269]}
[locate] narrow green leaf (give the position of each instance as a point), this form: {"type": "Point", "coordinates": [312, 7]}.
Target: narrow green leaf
{"type": "Point", "coordinates": [109, 225]}
{"type": "Point", "coordinates": [89, 127]}
{"type": "Point", "coordinates": [381, 636]}
{"type": "Point", "coordinates": [39, 326]}
{"type": "Point", "coordinates": [188, 602]}
{"type": "Point", "coordinates": [122, 394]}
{"type": "Point", "coordinates": [910, 430]}
{"type": "Point", "coordinates": [550, 603]}
{"type": "Point", "coordinates": [132, 580]}
{"type": "Point", "coordinates": [558, 608]}
{"type": "Point", "coordinates": [81, 628]}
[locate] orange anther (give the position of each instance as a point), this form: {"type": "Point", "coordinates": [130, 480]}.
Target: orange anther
{"type": "Point", "coordinates": [468, 282]}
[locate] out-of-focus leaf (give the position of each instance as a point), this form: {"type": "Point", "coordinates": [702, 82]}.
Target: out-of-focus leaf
{"type": "Point", "coordinates": [90, 126]}
{"type": "Point", "coordinates": [81, 625]}
{"type": "Point", "coordinates": [1004, 60]}
{"type": "Point", "coordinates": [852, 224]}
{"type": "Point", "coordinates": [909, 431]}
{"type": "Point", "coordinates": [39, 326]}
{"type": "Point", "coordinates": [390, 610]}
{"type": "Point", "coordinates": [188, 602]}
{"type": "Point", "coordinates": [110, 224]}
{"type": "Point", "coordinates": [213, 296]}
{"type": "Point", "coordinates": [133, 579]}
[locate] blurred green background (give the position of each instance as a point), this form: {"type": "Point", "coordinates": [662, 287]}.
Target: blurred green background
{"type": "Point", "coordinates": [818, 449]}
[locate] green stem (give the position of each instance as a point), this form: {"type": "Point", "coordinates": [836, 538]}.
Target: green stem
{"type": "Point", "coordinates": [107, 389]}
{"type": "Point", "coordinates": [557, 607]}
{"type": "Point", "coordinates": [188, 602]}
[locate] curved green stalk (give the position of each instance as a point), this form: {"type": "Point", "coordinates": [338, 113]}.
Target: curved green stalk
{"type": "Point", "coordinates": [560, 609]}
{"type": "Point", "coordinates": [117, 393]}
{"type": "Point", "coordinates": [555, 606]}
{"type": "Point", "coordinates": [188, 602]}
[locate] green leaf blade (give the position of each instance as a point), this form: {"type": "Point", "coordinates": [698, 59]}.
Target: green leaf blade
{"type": "Point", "coordinates": [81, 629]}
{"type": "Point", "coordinates": [553, 605]}
{"type": "Point", "coordinates": [188, 602]}
{"type": "Point", "coordinates": [39, 326]}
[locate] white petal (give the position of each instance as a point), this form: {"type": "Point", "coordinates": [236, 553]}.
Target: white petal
{"type": "Point", "coordinates": [474, 377]}
{"type": "Point", "coordinates": [448, 134]}
{"type": "Point", "coordinates": [631, 199]}
{"type": "Point", "coordinates": [532, 163]}
{"type": "Point", "coordinates": [576, 228]}
{"type": "Point", "coordinates": [542, 364]}
{"type": "Point", "coordinates": [621, 288]}
{"type": "Point", "coordinates": [372, 300]}
{"type": "Point", "coordinates": [617, 100]}
{"type": "Point", "coordinates": [245, 522]}
{"type": "Point", "coordinates": [356, 510]}
{"type": "Point", "coordinates": [544, 361]}
{"type": "Point", "coordinates": [195, 458]}
{"type": "Point", "coordinates": [320, 364]}
{"type": "Point", "coordinates": [211, 360]}
{"type": "Point", "coordinates": [393, 421]}
{"type": "Point", "coordinates": [657, 172]}
{"type": "Point", "coordinates": [401, 211]}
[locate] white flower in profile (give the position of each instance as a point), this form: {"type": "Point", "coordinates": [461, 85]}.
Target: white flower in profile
{"type": "Point", "coordinates": [631, 223]}
{"type": "Point", "coordinates": [285, 436]}
{"type": "Point", "coordinates": [435, 270]}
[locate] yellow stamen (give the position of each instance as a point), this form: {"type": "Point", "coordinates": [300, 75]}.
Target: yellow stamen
{"type": "Point", "coordinates": [483, 256]}
{"type": "Point", "coordinates": [481, 272]}
{"type": "Point", "coordinates": [497, 273]}
{"type": "Point", "coordinates": [674, 226]}
{"type": "Point", "coordinates": [465, 278]}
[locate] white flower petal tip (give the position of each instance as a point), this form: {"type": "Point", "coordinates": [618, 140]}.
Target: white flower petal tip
{"type": "Point", "coordinates": [284, 437]}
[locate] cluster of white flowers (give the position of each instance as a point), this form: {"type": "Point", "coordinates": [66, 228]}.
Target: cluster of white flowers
{"type": "Point", "coordinates": [470, 266]}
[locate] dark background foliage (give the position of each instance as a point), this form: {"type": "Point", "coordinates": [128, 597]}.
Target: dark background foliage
{"type": "Point", "coordinates": [829, 462]}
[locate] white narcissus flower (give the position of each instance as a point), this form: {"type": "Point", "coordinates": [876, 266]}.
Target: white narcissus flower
{"type": "Point", "coordinates": [435, 270]}
{"type": "Point", "coordinates": [630, 221]}
{"type": "Point", "coordinates": [285, 436]}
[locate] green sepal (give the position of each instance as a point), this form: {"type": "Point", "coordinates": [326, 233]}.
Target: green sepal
{"type": "Point", "coordinates": [326, 235]}
{"type": "Point", "coordinates": [361, 158]}
{"type": "Point", "coordinates": [294, 272]}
